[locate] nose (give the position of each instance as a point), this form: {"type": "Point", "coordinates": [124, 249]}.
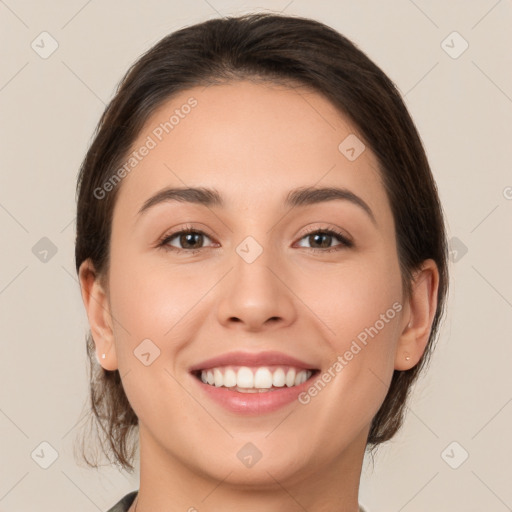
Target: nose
{"type": "Point", "coordinates": [256, 296]}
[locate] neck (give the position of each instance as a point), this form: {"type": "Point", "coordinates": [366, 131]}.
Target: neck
{"type": "Point", "coordinates": [167, 481]}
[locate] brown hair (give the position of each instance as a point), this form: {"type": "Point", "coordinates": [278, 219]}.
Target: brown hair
{"type": "Point", "coordinates": [279, 49]}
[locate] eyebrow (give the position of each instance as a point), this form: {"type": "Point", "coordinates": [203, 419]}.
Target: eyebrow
{"type": "Point", "coordinates": [298, 197]}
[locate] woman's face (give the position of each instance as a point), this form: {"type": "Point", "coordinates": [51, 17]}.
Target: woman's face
{"type": "Point", "coordinates": [258, 282]}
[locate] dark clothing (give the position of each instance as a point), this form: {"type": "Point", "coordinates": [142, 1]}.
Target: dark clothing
{"type": "Point", "coordinates": [126, 502]}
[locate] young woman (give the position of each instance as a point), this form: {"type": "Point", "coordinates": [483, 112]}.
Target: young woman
{"type": "Point", "coordinates": [262, 257]}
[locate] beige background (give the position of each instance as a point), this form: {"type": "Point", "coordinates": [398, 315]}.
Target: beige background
{"type": "Point", "coordinates": [463, 109]}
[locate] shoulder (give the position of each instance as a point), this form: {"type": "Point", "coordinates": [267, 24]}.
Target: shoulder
{"type": "Point", "coordinates": [124, 504]}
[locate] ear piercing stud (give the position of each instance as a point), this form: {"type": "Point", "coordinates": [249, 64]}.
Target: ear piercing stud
{"type": "Point", "coordinates": [102, 356]}
{"type": "Point", "coordinates": [407, 357]}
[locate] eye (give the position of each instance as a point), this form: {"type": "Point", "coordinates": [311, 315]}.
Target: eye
{"type": "Point", "coordinates": [190, 240]}
{"type": "Point", "coordinates": [324, 237]}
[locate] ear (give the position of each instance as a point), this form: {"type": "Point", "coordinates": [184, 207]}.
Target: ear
{"type": "Point", "coordinates": [97, 306]}
{"type": "Point", "coordinates": [418, 316]}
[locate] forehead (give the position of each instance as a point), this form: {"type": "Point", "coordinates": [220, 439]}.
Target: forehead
{"type": "Point", "coordinates": [252, 141]}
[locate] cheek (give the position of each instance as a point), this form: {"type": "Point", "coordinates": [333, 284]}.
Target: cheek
{"type": "Point", "coordinates": [154, 300]}
{"type": "Point", "coordinates": [151, 304]}
{"type": "Point", "coordinates": [361, 305]}
{"type": "Point", "coordinates": [149, 301]}
{"type": "Point", "coordinates": [355, 295]}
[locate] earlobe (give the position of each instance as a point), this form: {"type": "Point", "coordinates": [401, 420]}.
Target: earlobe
{"type": "Point", "coordinates": [97, 306]}
{"type": "Point", "coordinates": [418, 316]}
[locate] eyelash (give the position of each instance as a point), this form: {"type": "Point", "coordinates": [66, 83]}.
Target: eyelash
{"type": "Point", "coordinates": [345, 242]}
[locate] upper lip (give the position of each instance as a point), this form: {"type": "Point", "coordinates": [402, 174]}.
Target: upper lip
{"type": "Point", "coordinates": [239, 358]}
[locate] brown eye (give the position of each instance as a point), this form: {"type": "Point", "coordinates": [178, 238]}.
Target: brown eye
{"type": "Point", "coordinates": [189, 240]}
{"type": "Point", "coordinates": [322, 239]}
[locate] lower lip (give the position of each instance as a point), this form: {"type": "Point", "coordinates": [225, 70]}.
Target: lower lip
{"type": "Point", "coordinates": [254, 403]}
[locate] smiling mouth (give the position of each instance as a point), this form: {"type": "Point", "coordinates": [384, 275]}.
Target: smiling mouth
{"type": "Point", "coordinates": [262, 379]}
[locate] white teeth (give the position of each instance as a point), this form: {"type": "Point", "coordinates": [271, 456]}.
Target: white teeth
{"type": "Point", "coordinates": [245, 378]}
{"type": "Point", "coordinates": [263, 378]}
{"type": "Point", "coordinates": [217, 375]}
{"type": "Point", "coordinates": [290, 377]}
{"type": "Point", "coordinates": [278, 378]}
{"type": "Point", "coordinates": [229, 378]}
{"type": "Point", "coordinates": [298, 378]}
{"type": "Point", "coordinates": [253, 380]}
